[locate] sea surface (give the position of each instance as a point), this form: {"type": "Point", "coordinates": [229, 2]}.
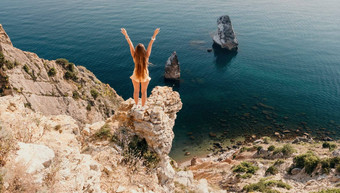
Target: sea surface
{"type": "Point", "coordinates": [285, 75]}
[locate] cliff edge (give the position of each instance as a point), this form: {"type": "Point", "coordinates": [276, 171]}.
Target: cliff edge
{"type": "Point", "coordinates": [54, 87]}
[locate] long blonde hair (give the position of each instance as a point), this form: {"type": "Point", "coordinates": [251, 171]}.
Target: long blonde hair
{"type": "Point", "coordinates": [140, 61]}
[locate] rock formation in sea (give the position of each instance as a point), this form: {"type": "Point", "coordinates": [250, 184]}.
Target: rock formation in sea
{"type": "Point", "coordinates": [59, 150]}
{"type": "Point", "coordinates": [172, 70]}
{"type": "Point", "coordinates": [225, 35]}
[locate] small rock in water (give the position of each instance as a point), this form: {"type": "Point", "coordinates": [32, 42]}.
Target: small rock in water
{"type": "Point", "coordinates": [187, 153]}
{"type": "Point", "coordinates": [286, 131]}
{"type": "Point", "coordinates": [277, 133]}
{"type": "Point", "coordinates": [209, 49]}
{"type": "Point", "coordinates": [217, 145]}
{"type": "Point", "coordinates": [225, 36]}
{"type": "Point", "coordinates": [172, 70]}
{"type": "Point", "coordinates": [327, 139]}
{"type": "Point", "coordinates": [211, 134]}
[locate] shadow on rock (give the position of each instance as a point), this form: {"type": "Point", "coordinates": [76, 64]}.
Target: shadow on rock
{"type": "Point", "coordinates": [222, 56]}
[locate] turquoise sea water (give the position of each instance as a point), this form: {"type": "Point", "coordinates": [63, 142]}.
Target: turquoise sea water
{"type": "Point", "coordinates": [288, 58]}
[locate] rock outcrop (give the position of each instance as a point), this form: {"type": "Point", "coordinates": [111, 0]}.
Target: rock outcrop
{"type": "Point", "coordinates": [225, 35]}
{"type": "Point", "coordinates": [54, 88]}
{"type": "Point", "coordinates": [62, 130]}
{"type": "Point", "coordinates": [172, 70]}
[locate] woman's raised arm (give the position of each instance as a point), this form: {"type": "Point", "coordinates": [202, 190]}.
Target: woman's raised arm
{"type": "Point", "coordinates": [148, 52]}
{"type": "Point", "coordinates": [132, 49]}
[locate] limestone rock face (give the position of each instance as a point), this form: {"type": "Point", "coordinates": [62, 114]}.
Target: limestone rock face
{"type": "Point", "coordinates": [34, 155]}
{"type": "Point", "coordinates": [225, 35]}
{"type": "Point", "coordinates": [156, 121]}
{"type": "Point", "coordinates": [83, 97]}
{"type": "Point", "coordinates": [47, 148]}
{"type": "Point", "coordinates": [172, 70]}
{"type": "Point", "coordinates": [4, 37]}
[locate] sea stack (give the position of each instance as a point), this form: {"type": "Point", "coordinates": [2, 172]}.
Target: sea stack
{"type": "Point", "coordinates": [172, 70]}
{"type": "Point", "coordinates": [225, 35]}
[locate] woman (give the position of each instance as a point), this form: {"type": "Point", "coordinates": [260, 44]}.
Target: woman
{"type": "Point", "coordinates": [140, 74]}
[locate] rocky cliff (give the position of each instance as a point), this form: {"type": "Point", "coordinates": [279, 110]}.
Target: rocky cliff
{"type": "Point", "coordinates": [54, 87]}
{"type": "Point", "coordinates": [62, 130]}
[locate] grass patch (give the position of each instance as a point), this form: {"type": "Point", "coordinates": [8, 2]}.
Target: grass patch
{"type": "Point", "coordinates": [266, 186]}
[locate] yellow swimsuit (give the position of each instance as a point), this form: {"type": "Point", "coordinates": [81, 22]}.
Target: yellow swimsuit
{"type": "Point", "coordinates": [134, 77]}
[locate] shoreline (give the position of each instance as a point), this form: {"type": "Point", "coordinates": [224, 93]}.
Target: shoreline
{"type": "Point", "coordinates": [209, 147]}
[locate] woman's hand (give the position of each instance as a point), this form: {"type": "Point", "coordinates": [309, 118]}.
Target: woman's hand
{"type": "Point", "coordinates": [124, 32]}
{"type": "Point", "coordinates": [155, 33]}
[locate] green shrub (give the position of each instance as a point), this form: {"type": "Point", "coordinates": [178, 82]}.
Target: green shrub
{"type": "Point", "coordinates": [287, 150]}
{"type": "Point", "coordinates": [62, 61]}
{"type": "Point", "coordinates": [271, 148]}
{"type": "Point", "coordinates": [338, 168]}
{"type": "Point", "coordinates": [26, 69]}
{"type": "Point", "coordinates": [2, 59]}
{"type": "Point", "coordinates": [52, 72]}
{"type": "Point", "coordinates": [272, 170]}
{"type": "Point", "coordinates": [325, 164]}
{"type": "Point", "coordinates": [330, 146]}
{"type": "Point", "coordinates": [266, 140]}
{"type": "Point", "coordinates": [245, 176]}
{"type": "Point", "coordinates": [309, 161]}
{"type": "Point", "coordinates": [75, 95]}
{"type": "Point", "coordinates": [70, 75]}
{"type": "Point", "coordinates": [139, 148]}
{"type": "Point", "coordinates": [245, 167]}
{"type": "Point", "coordinates": [70, 67]}
{"type": "Point", "coordinates": [94, 93]}
{"type": "Point", "coordinates": [266, 186]}
{"type": "Point", "coordinates": [103, 132]}
{"type": "Point", "coordinates": [9, 64]}
{"type": "Point", "coordinates": [278, 162]}
{"type": "Point", "coordinates": [336, 190]}
{"type": "Point", "coordinates": [88, 107]}
{"type": "Point", "coordinates": [259, 148]}
{"type": "Point", "coordinates": [334, 161]}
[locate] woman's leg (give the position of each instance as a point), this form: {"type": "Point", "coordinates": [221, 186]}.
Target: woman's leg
{"type": "Point", "coordinates": [135, 91]}
{"type": "Point", "coordinates": [144, 91]}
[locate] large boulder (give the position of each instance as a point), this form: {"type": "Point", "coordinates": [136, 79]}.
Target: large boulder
{"type": "Point", "coordinates": [172, 70]}
{"type": "Point", "coordinates": [225, 35]}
